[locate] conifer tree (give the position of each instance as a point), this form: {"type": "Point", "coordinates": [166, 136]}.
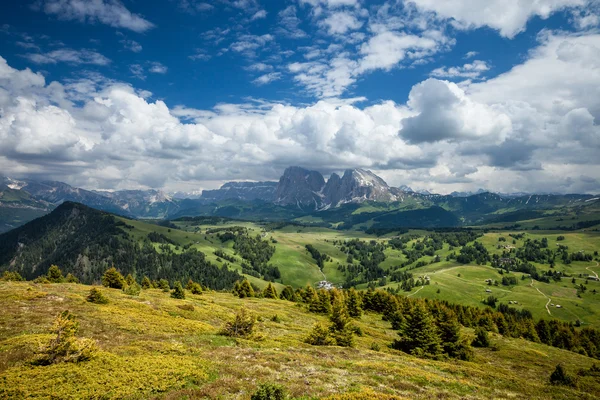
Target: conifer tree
{"type": "Point", "coordinates": [270, 292]}
{"type": "Point", "coordinates": [178, 292]}
{"type": "Point", "coordinates": [66, 347]}
{"type": "Point", "coordinates": [354, 304]}
{"type": "Point", "coordinates": [97, 297]}
{"type": "Point", "coordinates": [321, 304]}
{"type": "Point", "coordinates": [189, 284]}
{"type": "Point", "coordinates": [481, 338]}
{"type": "Point", "coordinates": [309, 294]}
{"type": "Point", "coordinates": [341, 327]}
{"type": "Point", "coordinates": [543, 331]}
{"type": "Point", "coordinates": [451, 341]}
{"type": "Point", "coordinates": [418, 334]}
{"type": "Point", "coordinates": [129, 280]}
{"type": "Point", "coordinates": [288, 294]}
{"type": "Point", "coordinates": [560, 377]}
{"type": "Point", "coordinates": [54, 274]}
{"type": "Point", "coordinates": [146, 283]}
{"type": "Point", "coordinates": [319, 336]}
{"type": "Point", "coordinates": [113, 279]}
{"type": "Point", "coordinates": [70, 278]}
{"type": "Point", "coordinates": [163, 284]}
{"type": "Point", "coordinates": [196, 288]}
{"type": "Point", "coordinates": [245, 289]}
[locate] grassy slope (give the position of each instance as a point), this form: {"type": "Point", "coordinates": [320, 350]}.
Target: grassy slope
{"type": "Point", "coordinates": [152, 348]}
{"type": "Point", "coordinates": [298, 268]}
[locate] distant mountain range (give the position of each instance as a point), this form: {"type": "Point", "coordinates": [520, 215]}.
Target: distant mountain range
{"type": "Point", "coordinates": [298, 194]}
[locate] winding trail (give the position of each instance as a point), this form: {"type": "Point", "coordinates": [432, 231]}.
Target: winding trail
{"type": "Point", "coordinates": [416, 291]}
{"type": "Point", "coordinates": [549, 299]}
{"type": "Point", "coordinates": [593, 272]}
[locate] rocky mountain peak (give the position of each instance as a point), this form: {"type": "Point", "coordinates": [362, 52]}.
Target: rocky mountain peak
{"type": "Point", "coordinates": [301, 187]}
{"type": "Point", "coordinates": [355, 186]}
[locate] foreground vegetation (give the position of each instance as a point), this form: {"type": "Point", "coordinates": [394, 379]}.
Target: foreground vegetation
{"type": "Point", "coordinates": [155, 345]}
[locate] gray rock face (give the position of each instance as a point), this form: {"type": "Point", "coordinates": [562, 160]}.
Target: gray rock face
{"type": "Point", "coordinates": [301, 187]}
{"type": "Point", "coordinates": [246, 191]}
{"type": "Point", "coordinates": [356, 186]}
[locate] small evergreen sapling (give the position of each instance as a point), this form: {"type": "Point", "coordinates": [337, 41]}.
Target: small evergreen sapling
{"type": "Point", "coordinates": [481, 338]}
{"type": "Point", "coordinates": [241, 326]}
{"type": "Point", "coordinates": [65, 347]}
{"type": "Point", "coordinates": [178, 292]}
{"type": "Point", "coordinates": [113, 279]}
{"type": "Point", "coordinates": [96, 297]}
{"type": "Point", "coordinates": [54, 274]}
{"type": "Point", "coordinates": [270, 292]}
{"type": "Point", "coordinates": [146, 283]}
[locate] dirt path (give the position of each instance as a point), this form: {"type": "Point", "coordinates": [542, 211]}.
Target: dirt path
{"type": "Point", "coordinates": [416, 291]}
{"type": "Point", "coordinates": [549, 299]}
{"type": "Point", "coordinates": [588, 268]}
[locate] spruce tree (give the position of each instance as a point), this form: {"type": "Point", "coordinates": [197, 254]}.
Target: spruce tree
{"type": "Point", "coordinates": [321, 304]}
{"type": "Point", "coordinates": [189, 284]}
{"type": "Point", "coordinates": [178, 292]}
{"type": "Point", "coordinates": [341, 327]}
{"type": "Point", "coordinates": [288, 294]}
{"type": "Point", "coordinates": [146, 283]}
{"type": "Point", "coordinates": [309, 294]}
{"type": "Point", "coordinates": [113, 279]}
{"type": "Point", "coordinates": [418, 334]}
{"type": "Point", "coordinates": [129, 280]}
{"type": "Point", "coordinates": [97, 297]}
{"type": "Point", "coordinates": [54, 274]}
{"type": "Point", "coordinates": [481, 338]}
{"type": "Point", "coordinates": [163, 285]}
{"type": "Point", "coordinates": [560, 377]}
{"type": "Point", "coordinates": [449, 330]}
{"type": "Point", "coordinates": [245, 289]}
{"type": "Point", "coordinates": [270, 292]}
{"type": "Point", "coordinates": [196, 288]}
{"type": "Point", "coordinates": [354, 304]}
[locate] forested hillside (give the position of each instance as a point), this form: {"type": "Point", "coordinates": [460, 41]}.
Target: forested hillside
{"type": "Point", "coordinates": [85, 242]}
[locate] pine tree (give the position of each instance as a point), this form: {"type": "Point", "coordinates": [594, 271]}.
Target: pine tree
{"type": "Point", "coordinates": [341, 327]}
{"type": "Point", "coordinates": [178, 292]}
{"type": "Point", "coordinates": [309, 294]}
{"type": "Point", "coordinates": [245, 289]}
{"type": "Point", "coordinates": [270, 292]}
{"type": "Point", "coordinates": [319, 336]}
{"type": "Point", "coordinates": [196, 288]}
{"type": "Point", "coordinates": [113, 279]}
{"type": "Point", "coordinates": [560, 377]}
{"type": "Point", "coordinates": [163, 285]}
{"type": "Point", "coordinates": [354, 303]}
{"type": "Point", "coordinates": [241, 326]}
{"type": "Point", "coordinates": [321, 304]}
{"type": "Point", "coordinates": [70, 278]}
{"type": "Point", "coordinates": [146, 283]}
{"type": "Point", "coordinates": [449, 330]}
{"type": "Point", "coordinates": [481, 338]}
{"type": "Point", "coordinates": [65, 347]}
{"type": "Point", "coordinates": [288, 294]}
{"type": "Point", "coordinates": [133, 290]}
{"type": "Point", "coordinates": [418, 334]}
{"type": "Point", "coordinates": [189, 284]}
{"type": "Point", "coordinates": [97, 297]}
{"type": "Point", "coordinates": [543, 331]}
{"type": "Point", "coordinates": [129, 280]}
{"type": "Point", "coordinates": [54, 274]}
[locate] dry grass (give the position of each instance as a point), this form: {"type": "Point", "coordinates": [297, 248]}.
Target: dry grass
{"type": "Point", "coordinates": [156, 346]}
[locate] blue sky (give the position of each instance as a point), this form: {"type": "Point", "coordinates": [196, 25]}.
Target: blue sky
{"type": "Point", "coordinates": [187, 94]}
